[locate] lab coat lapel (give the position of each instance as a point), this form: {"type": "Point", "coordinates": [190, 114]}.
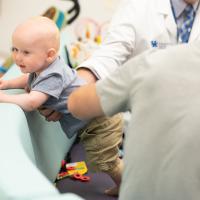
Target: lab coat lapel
{"type": "Point", "coordinates": [195, 34]}
{"type": "Point", "coordinates": [164, 8]}
{"type": "Point", "coordinates": [171, 25]}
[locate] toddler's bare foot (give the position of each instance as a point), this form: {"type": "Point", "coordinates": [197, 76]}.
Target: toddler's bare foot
{"type": "Point", "coordinates": [112, 191]}
{"type": "Point", "coordinates": [115, 174]}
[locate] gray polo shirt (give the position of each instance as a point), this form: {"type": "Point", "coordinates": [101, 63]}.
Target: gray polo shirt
{"type": "Point", "coordinates": [162, 144]}
{"type": "Point", "coordinates": [58, 81]}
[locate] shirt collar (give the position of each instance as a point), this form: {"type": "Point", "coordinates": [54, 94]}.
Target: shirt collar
{"type": "Point", "coordinates": [179, 6]}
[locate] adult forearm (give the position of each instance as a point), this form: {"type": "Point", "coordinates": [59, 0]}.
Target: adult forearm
{"type": "Point", "coordinates": [84, 103]}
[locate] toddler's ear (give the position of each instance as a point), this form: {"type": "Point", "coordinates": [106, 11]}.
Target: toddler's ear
{"type": "Point", "coordinates": [51, 54]}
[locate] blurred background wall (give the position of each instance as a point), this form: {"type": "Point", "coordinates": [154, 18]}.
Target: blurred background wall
{"type": "Point", "coordinates": [13, 12]}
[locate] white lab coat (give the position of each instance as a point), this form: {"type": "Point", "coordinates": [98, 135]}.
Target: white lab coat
{"type": "Point", "coordinates": [134, 27]}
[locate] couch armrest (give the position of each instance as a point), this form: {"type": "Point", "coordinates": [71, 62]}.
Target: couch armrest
{"type": "Point", "coordinates": [49, 142]}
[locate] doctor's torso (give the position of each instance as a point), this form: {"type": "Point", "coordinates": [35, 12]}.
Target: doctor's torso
{"type": "Point", "coordinates": [154, 26]}
{"type": "Point", "coordinates": [137, 26]}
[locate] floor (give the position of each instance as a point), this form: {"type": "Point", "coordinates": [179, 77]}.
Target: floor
{"type": "Point", "coordinates": [92, 190]}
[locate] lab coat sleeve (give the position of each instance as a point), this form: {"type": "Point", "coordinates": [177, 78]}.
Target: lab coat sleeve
{"type": "Point", "coordinates": [118, 44]}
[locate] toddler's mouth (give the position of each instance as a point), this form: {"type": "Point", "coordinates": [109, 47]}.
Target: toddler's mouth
{"type": "Point", "coordinates": [22, 66]}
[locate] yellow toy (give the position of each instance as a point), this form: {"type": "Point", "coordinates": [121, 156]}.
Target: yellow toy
{"type": "Point", "coordinates": [75, 170]}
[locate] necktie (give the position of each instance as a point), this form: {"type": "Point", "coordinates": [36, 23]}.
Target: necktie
{"type": "Point", "coordinates": [185, 29]}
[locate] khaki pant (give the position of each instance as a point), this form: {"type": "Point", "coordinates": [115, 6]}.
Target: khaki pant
{"type": "Point", "coordinates": [101, 139]}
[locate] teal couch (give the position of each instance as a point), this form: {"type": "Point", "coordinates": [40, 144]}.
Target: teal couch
{"type": "Point", "coordinates": [31, 150]}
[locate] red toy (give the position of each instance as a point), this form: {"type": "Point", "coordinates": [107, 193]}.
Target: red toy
{"type": "Point", "coordinates": [81, 177]}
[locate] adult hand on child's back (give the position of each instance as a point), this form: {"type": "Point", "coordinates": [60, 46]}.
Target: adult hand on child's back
{"type": "Point", "coordinates": [49, 114]}
{"type": "Point", "coordinates": [87, 75]}
{"type": "Point", "coordinates": [52, 115]}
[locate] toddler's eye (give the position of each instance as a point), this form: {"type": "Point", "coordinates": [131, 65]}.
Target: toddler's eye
{"type": "Point", "coordinates": [14, 49]}
{"type": "Point", "coordinates": [26, 52]}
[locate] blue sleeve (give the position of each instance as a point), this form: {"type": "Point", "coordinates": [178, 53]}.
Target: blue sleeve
{"type": "Point", "coordinates": [51, 85]}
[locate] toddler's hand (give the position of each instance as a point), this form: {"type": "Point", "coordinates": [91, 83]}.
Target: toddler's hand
{"type": "Point", "coordinates": [1, 95]}
{"type": "Point", "coordinates": [3, 84]}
